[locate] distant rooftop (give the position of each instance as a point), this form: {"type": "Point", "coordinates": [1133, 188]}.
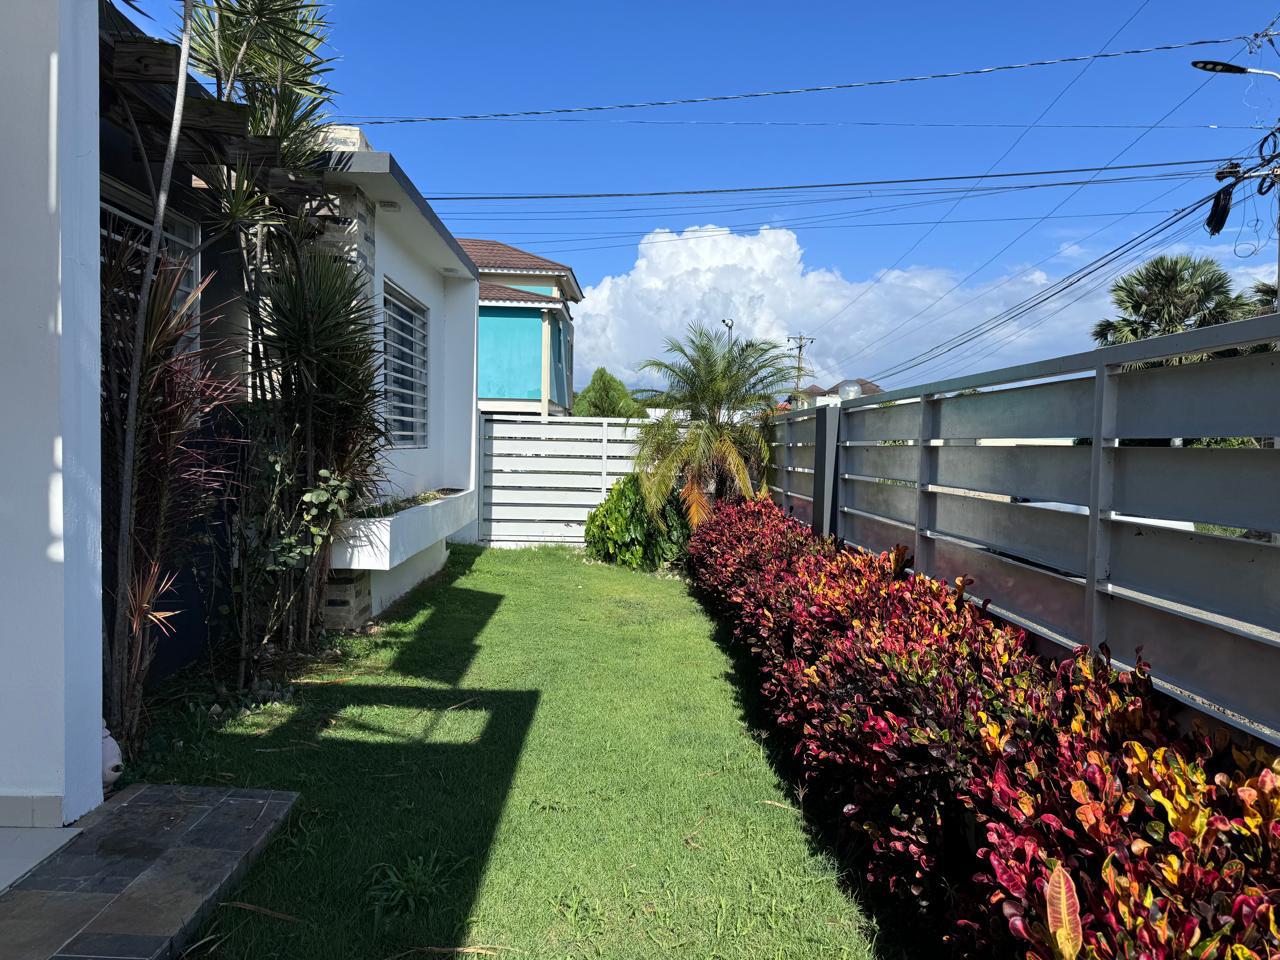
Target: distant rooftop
{"type": "Point", "coordinates": [868, 388]}
{"type": "Point", "coordinates": [491, 256]}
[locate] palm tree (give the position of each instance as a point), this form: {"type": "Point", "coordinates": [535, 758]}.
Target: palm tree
{"type": "Point", "coordinates": [719, 391]}
{"type": "Point", "coordinates": [1264, 297]}
{"type": "Point", "coordinates": [1169, 294]}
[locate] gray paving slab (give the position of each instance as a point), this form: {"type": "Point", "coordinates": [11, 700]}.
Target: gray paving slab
{"type": "Point", "coordinates": [140, 876]}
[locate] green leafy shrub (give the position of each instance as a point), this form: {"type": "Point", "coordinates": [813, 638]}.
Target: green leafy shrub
{"type": "Point", "coordinates": [623, 531]}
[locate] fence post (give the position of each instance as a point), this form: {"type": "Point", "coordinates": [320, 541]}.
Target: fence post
{"type": "Point", "coordinates": [604, 456]}
{"type": "Point", "coordinates": [926, 500]}
{"type": "Point", "coordinates": [784, 475]}
{"type": "Point", "coordinates": [1101, 491]}
{"type": "Point", "coordinates": [825, 456]}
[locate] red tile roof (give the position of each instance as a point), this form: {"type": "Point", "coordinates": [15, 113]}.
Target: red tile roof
{"type": "Point", "coordinates": [492, 255]}
{"type": "Point", "coordinates": [497, 291]}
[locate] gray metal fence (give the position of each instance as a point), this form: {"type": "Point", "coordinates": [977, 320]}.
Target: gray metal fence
{"type": "Point", "coordinates": [1073, 494]}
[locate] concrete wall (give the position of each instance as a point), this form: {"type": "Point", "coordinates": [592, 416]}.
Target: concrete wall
{"type": "Point", "coordinates": [50, 549]}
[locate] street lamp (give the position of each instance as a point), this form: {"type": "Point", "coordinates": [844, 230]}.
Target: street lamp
{"type": "Point", "coordinates": [1220, 66]}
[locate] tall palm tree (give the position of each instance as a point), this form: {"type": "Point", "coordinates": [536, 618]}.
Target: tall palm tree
{"type": "Point", "coordinates": [718, 391]}
{"type": "Point", "coordinates": [1169, 294]}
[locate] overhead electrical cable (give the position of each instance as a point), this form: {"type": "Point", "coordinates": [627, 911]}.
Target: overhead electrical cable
{"type": "Point", "coordinates": [737, 206]}
{"type": "Point", "coordinates": [893, 181]}
{"type": "Point", "coordinates": [915, 245]}
{"type": "Point", "coordinates": [822, 88]}
{"type": "Point", "coordinates": [900, 124]}
{"type": "Point", "coordinates": [1058, 206]}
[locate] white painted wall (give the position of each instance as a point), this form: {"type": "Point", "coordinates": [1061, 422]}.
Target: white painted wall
{"type": "Point", "coordinates": [50, 544]}
{"type": "Point", "coordinates": [448, 460]}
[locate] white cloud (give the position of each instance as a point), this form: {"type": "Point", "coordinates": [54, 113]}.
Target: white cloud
{"type": "Point", "coordinates": [761, 280]}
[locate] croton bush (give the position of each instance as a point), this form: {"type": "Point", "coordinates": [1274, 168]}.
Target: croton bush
{"type": "Point", "coordinates": [1031, 809]}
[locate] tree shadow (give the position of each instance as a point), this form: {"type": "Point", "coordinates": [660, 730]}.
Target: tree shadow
{"type": "Point", "coordinates": [900, 934]}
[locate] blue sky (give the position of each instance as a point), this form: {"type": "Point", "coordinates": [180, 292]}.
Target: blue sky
{"type": "Point", "coordinates": [411, 57]}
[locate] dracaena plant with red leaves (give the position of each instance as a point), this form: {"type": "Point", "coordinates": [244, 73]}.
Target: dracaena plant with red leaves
{"type": "Point", "coordinates": [1032, 810]}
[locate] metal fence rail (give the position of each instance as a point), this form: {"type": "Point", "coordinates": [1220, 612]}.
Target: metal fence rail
{"type": "Point", "coordinates": [1028, 479]}
{"type": "Point", "coordinates": [542, 477]}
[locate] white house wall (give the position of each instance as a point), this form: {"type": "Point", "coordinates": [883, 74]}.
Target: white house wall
{"type": "Point", "coordinates": [448, 460]}
{"type": "Point", "coordinates": [50, 547]}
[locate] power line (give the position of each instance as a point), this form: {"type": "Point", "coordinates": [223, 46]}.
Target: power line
{"type": "Point", "coordinates": [719, 229]}
{"type": "Point", "coordinates": [901, 124]}
{"type": "Point", "coordinates": [823, 88]}
{"type": "Point", "coordinates": [1058, 206]}
{"type": "Point", "coordinates": [738, 206]}
{"type": "Point", "coordinates": [995, 163]}
{"type": "Point", "coordinates": [819, 186]}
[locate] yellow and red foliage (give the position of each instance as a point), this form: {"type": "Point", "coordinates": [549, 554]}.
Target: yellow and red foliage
{"type": "Point", "coordinates": [1032, 809]}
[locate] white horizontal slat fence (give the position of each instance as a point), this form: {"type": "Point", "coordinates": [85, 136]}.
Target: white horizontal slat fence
{"type": "Point", "coordinates": [1030, 480]}
{"type": "Point", "coordinates": [543, 476]}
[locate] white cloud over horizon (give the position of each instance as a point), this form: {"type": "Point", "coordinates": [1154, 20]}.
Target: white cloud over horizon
{"type": "Point", "coordinates": [760, 279]}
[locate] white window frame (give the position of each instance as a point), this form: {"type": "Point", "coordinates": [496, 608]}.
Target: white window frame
{"type": "Point", "coordinates": [180, 236]}
{"type": "Point", "coordinates": [406, 354]}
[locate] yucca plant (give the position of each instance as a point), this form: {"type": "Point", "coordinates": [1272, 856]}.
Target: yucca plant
{"type": "Point", "coordinates": [315, 440]}
{"type": "Point", "coordinates": [718, 392]}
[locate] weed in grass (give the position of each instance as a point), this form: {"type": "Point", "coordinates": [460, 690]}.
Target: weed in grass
{"type": "Point", "coordinates": [417, 886]}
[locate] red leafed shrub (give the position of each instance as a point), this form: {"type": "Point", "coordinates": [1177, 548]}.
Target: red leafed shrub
{"type": "Point", "coordinates": [1033, 810]}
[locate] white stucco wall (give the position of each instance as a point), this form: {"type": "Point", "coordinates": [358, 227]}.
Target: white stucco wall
{"type": "Point", "coordinates": [448, 460]}
{"type": "Point", "coordinates": [50, 547]}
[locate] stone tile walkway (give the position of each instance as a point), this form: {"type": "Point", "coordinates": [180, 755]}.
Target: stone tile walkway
{"type": "Point", "coordinates": [146, 867]}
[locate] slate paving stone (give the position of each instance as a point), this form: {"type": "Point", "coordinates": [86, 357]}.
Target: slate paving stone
{"type": "Point", "coordinates": [35, 923]}
{"type": "Point", "coordinates": [117, 946]}
{"type": "Point", "coordinates": [168, 897]}
{"type": "Point", "coordinates": [235, 824]}
{"type": "Point", "coordinates": [143, 872]}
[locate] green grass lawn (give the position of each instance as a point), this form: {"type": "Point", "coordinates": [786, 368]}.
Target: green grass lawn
{"type": "Point", "coordinates": [551, 758]}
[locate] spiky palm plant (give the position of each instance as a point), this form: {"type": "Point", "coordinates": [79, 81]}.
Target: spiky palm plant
{"type": "Point", "coordinates": [1264, 297]}
{"type": "Point", "coordinates": [718, 392]}
{"type": "Point", "coordinates": [1170, 294]}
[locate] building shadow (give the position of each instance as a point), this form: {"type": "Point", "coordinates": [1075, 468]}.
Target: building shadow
{"type": "Point", "coordinates": [430, 769]}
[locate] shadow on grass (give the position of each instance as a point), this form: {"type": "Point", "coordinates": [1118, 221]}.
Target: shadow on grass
{"type": "Point", "coordinates": [402, 789]}
{"type": "Point", "coordinates": [413, 778]}
{"type": "Point", "coordinates": [900, 934]}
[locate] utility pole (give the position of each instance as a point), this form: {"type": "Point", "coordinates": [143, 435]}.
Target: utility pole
{"type": "Point", "coordinates": [1270, 178]}
{"type": "Point", "coordinates": [801, 341]}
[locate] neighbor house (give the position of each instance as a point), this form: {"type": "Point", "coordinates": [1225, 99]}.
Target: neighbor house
{"type": "Point", "coordinates": [525, 345]}
{"type": "Point", "coordinates": [816, 396]}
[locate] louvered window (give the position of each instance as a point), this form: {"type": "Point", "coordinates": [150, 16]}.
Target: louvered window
{"type": "Point", "coordinates": [405, 323]}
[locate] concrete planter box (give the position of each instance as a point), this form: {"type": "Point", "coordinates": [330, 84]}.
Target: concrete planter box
{"type": "Point", "coordinates": [380, 559]}
{"type": "Point", "coordinates": [384, 543]}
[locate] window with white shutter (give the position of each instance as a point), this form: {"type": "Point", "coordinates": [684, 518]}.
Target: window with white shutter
{"type": "Point", "coordinates": [405, 323]}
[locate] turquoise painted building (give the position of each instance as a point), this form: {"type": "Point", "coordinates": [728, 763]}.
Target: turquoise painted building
{"type": "Point", "coordinates": [524, 344]}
